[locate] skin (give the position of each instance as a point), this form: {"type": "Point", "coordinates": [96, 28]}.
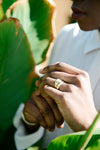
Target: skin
{"type": "Point", "coordinates": [40, 111]}
{"type": "Point", "coordinates": [73, 101]}
{"type": "Point", "coordinates": [91, 8]}
{"type": "Point", "coordinates": [73, 98]}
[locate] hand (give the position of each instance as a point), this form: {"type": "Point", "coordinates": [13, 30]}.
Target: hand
{"type": "Point", "coordinates": [74, 97]}
{"type": "Point", "coordinates": [37, 110]}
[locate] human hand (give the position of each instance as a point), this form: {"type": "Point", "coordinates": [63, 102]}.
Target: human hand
{"type": "Point", "coordinates": [74, 97]}
{"type": "Point", "coordinates": [37, 110]}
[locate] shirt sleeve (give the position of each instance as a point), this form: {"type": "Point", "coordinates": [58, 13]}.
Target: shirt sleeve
{"type": "Point", "coordinates": [22, 139]}
{"type": "Point", "coordinates": [62, 37]}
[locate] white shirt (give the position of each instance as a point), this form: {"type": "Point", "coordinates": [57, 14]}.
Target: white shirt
{"type": "Point", "coordinates": [82, 50]}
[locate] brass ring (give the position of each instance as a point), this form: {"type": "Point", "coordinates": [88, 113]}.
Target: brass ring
{"type": "Point", "coordinates": [58, 83]}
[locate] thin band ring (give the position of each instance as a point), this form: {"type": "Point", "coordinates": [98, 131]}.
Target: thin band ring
{"type": "Point", "coordinates": [58, 83]}
{"type": "Point", "coordinates": [28, 123]}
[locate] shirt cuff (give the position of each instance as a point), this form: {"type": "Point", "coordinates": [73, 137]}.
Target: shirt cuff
{"type": "Point", "coordinates": [22, 139]}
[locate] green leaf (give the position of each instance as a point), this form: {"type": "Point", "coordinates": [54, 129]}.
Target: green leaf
{"type": "Point", "coordinates": [65, 142]}
{"type": "Point", "coordinates": [16, 70]}
{"type": "Point", "coordinates": [79, 140]}
{"type": "Point", "coordinates": [35, 17]}
{"type": "Point", "coordinates": [1, 12]}
{"type": "Point", "coordinates": [71, 141]}
{"type": "Point", "coordinates": [33, 148]}
{"type": "Point", "coordinates": [85, 139]}
{"type": "Point", "coordinates": [6, 4]}
{"type": "Point", "coordinates": [94, 146]}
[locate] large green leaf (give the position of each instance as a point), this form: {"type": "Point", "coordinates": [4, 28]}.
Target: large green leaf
{"type": "Point", "coordinates": [35, 17]}
{"type": "Point", "coordinates": [71, 141]}
{"type": "Point", "coordinates": [16, 70]}
{"type": "Point", "coordinates": [79, 140]}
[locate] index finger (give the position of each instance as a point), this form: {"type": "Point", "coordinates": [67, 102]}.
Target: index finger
{"type": "Point", "coordinates": [61, 67]}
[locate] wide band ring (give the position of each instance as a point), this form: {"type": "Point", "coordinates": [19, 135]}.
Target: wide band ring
{"type": "Point", "coordinates": [27, 122]}
{"type": "Point", "coordinates": [58, 83]}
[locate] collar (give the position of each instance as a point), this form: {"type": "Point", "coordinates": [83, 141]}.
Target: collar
{"type": "Point", "coordinates": [93, 41]}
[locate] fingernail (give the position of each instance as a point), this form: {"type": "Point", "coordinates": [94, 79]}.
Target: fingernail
{"type": "Point", "coordinates": [61, 126]}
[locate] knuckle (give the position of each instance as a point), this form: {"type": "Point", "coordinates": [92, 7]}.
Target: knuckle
{"type": "Point", "coordinates": [39, 118]}
{"type": "Point", "coordinates": [59, 64]}
{"type": "Point", "coordinates": [52, 74]}
{"type": "Point", "coordinates": [46, 110]}
{"type": "Point", "coordinates": [47, 68]}
{"type": "Point", "coordinates": [85, 74]}
{"type": "Point", "coordinates": [76, 78]}
{"type": "Point", "coordinates": [72, 88]}
{"type": "Point", "coordinates": [81, 78]}
{"type": "Point", "coordinates": [62, 96]}
{"type": "Point", "coordinates": [47, 79]}
{"type": "Point", "coordinates": [69, 88]}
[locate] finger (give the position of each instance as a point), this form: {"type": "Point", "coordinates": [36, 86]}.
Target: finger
{"type": "Point", "coordinates": [58, 97]}
{"type": "Point", "coordinates": [60, 67]}
{"type": "Point", "coordinates": [58, 117]}
{"type": "Point", "coordinates": [69, 78]}
{"type": "Point", "coordinates": [46, 111]}
{"type": "Point", "coordinates": [55, 94]}
{"type": "Point", "coordinates": [51, 82]}
{"type": "Point", "coordinates": [33, 114]}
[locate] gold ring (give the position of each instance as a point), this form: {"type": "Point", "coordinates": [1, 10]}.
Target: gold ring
{"type": "Point", "coordinates": [58, 83]}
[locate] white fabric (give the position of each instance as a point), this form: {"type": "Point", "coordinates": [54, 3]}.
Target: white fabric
{"type": "Point", "coordinates": [82, 50]}
{"type": "Point", "coordinates": [24, 140]}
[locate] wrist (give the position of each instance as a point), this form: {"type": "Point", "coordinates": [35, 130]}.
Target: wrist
{"type": "Point", "coordinates": [30, 126]}
{"type": "Point", "coordinates": [92, 120]}
{"type": "Point", "coordinates": [30, 129]}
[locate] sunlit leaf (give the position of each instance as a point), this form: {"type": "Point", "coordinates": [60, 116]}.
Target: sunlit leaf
{"type": "Point", "coordinates": [33, 148]}
{"type": "Point", "coordinates": [35, 17]}
{"type": "Point", "coordinates": [86, 138]}
{"type": "Point", "coordinates": [80, 140]}
{"type": "Point", "coordinates": [16, 70]}
{"type": "Point", "coordinates": [1, 12]}
{"type": "Point", "coordinates": [71, 141]}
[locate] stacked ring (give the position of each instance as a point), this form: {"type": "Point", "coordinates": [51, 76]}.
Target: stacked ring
{"type": "Point", "coordinates": [58, 83]}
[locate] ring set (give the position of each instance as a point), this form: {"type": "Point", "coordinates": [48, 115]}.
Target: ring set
{"type": "Point", "coordinates": [58, 83]}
